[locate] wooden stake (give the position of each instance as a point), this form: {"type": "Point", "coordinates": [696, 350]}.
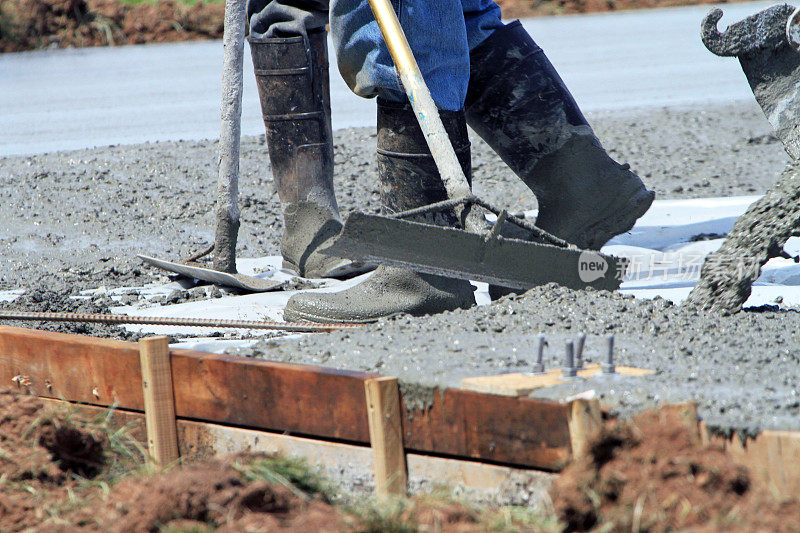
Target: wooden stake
{"type": "Point", "coordinates": [159, 402]}
{"type": "Point", "coordinates": [687, 413]}
{"type": "Point", "coordinates": [386, 436]}
{"type": "Point", "coordinates": [530, 433]}
{"type": "Point", "coordinates": [584, 421]}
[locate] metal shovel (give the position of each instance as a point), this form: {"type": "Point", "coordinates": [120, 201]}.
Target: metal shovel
{"type": "Point", "coordinates": [454, 252]}
{"type": "Point", "coordinates": [227, 210]}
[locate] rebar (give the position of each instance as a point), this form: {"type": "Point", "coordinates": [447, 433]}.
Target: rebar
{"type": "Point", "coordinates": [107, 318]}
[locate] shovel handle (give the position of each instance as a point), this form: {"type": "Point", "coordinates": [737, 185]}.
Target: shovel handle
{"type": "Point", "coordinates": [229, 137]}
{"type": "Point", "coordinates": [455, 182]}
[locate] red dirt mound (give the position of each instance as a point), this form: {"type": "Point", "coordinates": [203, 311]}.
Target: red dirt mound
{"type": "Point", "coordinates": [39, 456]}
{"type": "Point", "coordinates": [32, 24]}
{"type": "Point", "coordinates": [651, 475]}
{"type": "Point", "coordinates": [220, 494]}
{"type": "Point", "coordinates": [215, 493]}
{"type": "Point", "coordinates": [59, 476]}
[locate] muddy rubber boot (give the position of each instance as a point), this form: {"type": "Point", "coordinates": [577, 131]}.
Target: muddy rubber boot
{"type": "Point", "coordinates": [408, 179]}
{"type": "Point", "coordinates": [519, 105]}
{"type": "Point", "coordinates": [293, 87]}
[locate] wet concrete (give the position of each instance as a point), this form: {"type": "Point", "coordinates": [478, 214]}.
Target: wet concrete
{"type": "Point", "coordinates": [758, 235]}
{"type": "Point", "coordinates": [72, 99]}
{"type": "Point", "coordinates": [75, 220]}
{"type": "Point", "coordinates": [740, 369]}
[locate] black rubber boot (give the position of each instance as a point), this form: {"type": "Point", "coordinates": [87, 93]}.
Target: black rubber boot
{"type": "Point", "coordinates": [294, 89]}
{"type": "Point", "coordinates": [519, 105]}
{"type": "Point", "coordinates": [408, 178]}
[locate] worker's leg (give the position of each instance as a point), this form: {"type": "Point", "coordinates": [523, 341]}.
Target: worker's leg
{"type": "Point", "coordinates": [406, 170]}
{"type": "Point", "coordinates": [286, 18]}
{"type": "Point", "coordinates": [290, 55]}
{"type": "Point", "coordinates": [437, 35]}
{"type": "Point", "coordinates": [408, 179]}
{"type": "Point", "coordinates": [518, 104]}
{"type": "Point", "coordinates": [481, 18]}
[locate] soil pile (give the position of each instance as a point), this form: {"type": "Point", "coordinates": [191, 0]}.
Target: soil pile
{"type": "Point", "coordinates": [41, 460]}
{"type": "Point", "coordinates": [33, 24]}
{"type": "Point", "coordinates": [651, 474]}
{"type": "Point", "coordinates": [61, 471]}
{"type": "Point", "coordinates": [48, 466]}
{"type": "Point", "coordinates": [223, 494]}
{"type": "Point", "coordinates": [214, 493]}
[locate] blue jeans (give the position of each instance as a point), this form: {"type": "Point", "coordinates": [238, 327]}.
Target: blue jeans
{"type": "Point", "coordinates": [441, 34]}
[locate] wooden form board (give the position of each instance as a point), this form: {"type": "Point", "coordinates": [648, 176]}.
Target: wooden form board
{"type": "Point", "coordinates": [518, 384]}
{"type": "Point", "coordinates": [202, 439]}
{"type": "Point", "coordinates": [298, 399]}
{"type": "Point", "coordinates": [773, 456]}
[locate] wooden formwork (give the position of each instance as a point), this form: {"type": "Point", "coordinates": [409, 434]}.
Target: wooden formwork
{"type": "Point", "coordinates": [289, 398]}
{"type": "Point", "coordinates": [225, 403]}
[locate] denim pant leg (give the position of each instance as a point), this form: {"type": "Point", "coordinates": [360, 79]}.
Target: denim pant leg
{"type": "Point", "coordinates": [286, 18]}
{"type": "Point", "coordinates": [481, 18]}
{"type": "Point", "coordinates": [436, 32]}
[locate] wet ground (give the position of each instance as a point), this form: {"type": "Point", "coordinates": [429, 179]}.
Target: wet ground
{"type": "Point", "coordinates": [74, 220]}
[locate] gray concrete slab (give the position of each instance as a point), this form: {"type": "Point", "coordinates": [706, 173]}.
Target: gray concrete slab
{"type": "Point", "coordinates": [71, 99]}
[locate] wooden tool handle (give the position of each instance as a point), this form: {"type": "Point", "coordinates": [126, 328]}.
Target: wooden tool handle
{"type": "Point", "coordinates": [444, 155]}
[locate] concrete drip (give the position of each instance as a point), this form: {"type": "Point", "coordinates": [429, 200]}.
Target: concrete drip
{"type": "Point", "coordinates": [417, 396]}
{"type": "Point", "coordinates": [758, 235]}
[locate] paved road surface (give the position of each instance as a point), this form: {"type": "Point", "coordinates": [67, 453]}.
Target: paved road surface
{"type": "Point", "coordinates": [70, 99]}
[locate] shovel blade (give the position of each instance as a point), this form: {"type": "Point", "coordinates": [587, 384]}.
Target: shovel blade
{"type": "Point", "coordinates": [461, 254]}
{"type": "Point", "coordinates": [209, 275]}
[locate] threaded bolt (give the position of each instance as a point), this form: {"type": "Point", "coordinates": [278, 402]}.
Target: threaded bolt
{"type": "Point", "coordinates": [538, 367]}
{"type": "Point", "coordinates": [579, 351]}
{"type": "Point", "coordinates": [608, 365]}
{"type": "Point", "coordinates": [569, 370]}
